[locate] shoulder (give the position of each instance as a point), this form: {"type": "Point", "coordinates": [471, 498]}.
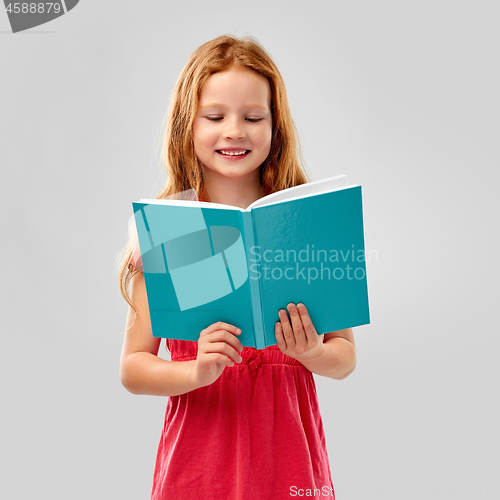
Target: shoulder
{"type": "Point", "coordinates": [136, 260]}
{"type": "Point", "coordinates": [138, 289]}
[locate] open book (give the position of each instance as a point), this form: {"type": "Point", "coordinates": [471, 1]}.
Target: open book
{"type": "Point", "coordinates": [208, 262]}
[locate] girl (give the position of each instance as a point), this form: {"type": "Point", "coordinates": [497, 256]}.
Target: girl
{"type": "Point", "coordinates": [240, 423]}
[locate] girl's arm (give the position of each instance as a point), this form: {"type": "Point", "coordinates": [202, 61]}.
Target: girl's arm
{"type": "Point", "coordinates": [331, 354]}
{"type": "Point", "coordinates": [338, 356]}
{"type": "Point", "coordinates": [143, 372]}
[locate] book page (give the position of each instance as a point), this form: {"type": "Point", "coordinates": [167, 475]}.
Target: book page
{"type": "Point", "coordinates": [188, 203]}
{"type": "Point", "coordinates": [309, 189]}
{"type": "Point", "coordinates": [184, 198]}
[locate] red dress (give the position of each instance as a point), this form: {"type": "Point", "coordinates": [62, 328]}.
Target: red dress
{"type": "Point", "coordinates": [255, 433]}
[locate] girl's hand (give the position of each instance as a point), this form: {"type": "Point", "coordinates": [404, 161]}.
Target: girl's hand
{"type": "Point", "coordinates": [298, 338]}
{"type": "Point", "coordinates": [218, 347]}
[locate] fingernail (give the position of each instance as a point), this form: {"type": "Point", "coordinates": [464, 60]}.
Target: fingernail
{"type": "Point", "coordinates": [240, 359]}
{"type": "Point", "coordinates": [238, 330]}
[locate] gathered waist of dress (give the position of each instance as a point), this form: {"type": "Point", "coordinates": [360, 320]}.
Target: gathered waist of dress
{"type": "Point", "coordinates": [250, 356]}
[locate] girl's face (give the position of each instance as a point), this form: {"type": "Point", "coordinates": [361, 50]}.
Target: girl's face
{"type": "Point", "coordinates": [232, 128]}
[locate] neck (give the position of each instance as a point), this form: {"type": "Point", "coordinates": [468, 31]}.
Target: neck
{"type": "Point", "coordinates": [235, 191]}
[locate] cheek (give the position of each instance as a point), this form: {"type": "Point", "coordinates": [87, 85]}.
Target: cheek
{"type": "Point", "coordinates": [267, 139]}
{"type": "Point", "coordinates": [264, 138]}
{"type": "Point", "coordinates": [202, 138]}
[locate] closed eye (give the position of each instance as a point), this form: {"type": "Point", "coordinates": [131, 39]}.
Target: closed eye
{"type": "Point", "coordinates": [219, 118]}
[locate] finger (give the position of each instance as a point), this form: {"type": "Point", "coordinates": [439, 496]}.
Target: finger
{"type": "Point", "coordinates": [298, 329]}
{"type": "Point", "coordinates": [221, 348]}
{"type": "Point", "coordinates": [220, 325]}
{"type": "Point", "coordinates": [287, 329]}
{"type": "Point", "coordinates": [309, 330]}
{"type": "Point", "coordinates": [219, 359]}
{"type": "Point", "coordinates": [280, 339]}
{"type": "Point", "coordinates": [222, 336]}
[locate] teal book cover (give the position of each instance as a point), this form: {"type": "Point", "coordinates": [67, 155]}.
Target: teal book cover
{"type": "Point", "coordinates": [206, 262]}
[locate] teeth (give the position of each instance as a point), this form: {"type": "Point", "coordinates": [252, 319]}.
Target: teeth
{"type": "Point", "coordinates": [233, 153]}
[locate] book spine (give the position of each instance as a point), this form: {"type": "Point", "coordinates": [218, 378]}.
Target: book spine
{"type": "Point", "coordinates": [255, 295]}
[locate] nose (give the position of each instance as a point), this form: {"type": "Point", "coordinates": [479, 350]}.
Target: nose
{"type": "Point", "coordinates": [234, 129]}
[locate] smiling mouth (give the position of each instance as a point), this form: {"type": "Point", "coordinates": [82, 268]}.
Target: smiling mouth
{"type": "Point", "coordinates": [233, 153]}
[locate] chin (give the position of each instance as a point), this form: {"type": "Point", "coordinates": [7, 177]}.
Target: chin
{"type": "Point", "coordinates": [233, 172]}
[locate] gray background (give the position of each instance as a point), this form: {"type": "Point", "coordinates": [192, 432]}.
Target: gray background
{"type": "Point", "coordinates": [400, 96]}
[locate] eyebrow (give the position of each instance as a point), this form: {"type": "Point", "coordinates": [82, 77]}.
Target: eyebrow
{"type": "Point", "coordinates": [252, 106]}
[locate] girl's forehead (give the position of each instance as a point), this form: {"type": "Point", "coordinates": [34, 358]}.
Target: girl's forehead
{"type": "Point", "coordinates": [236, 84]}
